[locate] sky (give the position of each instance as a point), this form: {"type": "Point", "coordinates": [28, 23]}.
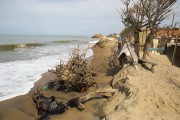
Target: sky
{"type": "Point", "coordinates": [176, 11]}
{"type": "Point", "coordinates": [62, 17]}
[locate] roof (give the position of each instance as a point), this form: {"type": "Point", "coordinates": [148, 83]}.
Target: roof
{"type": "Point", "coordinates": [171, 33]}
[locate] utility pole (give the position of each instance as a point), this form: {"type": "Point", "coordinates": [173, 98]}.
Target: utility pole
{"type": "Point", "coordinates": [172, 20]}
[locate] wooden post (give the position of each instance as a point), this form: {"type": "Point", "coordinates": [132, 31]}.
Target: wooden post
{"type": "Point", "coordinates": [152, 69]}
{"type": "Point", "coordinates": [142, 41]}
{"type": "Point", "coordinates": [174, 51]}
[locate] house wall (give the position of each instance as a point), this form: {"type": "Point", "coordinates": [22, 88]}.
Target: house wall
{"type": "Point", "coordinates": [162, 35]}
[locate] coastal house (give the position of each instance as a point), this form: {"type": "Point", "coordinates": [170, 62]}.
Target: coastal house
{"type": "Point", "coordinates": [166, 39]}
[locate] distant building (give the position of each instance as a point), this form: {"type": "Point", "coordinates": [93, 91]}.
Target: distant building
{"type": "Point", "coordinates": [162, 35]}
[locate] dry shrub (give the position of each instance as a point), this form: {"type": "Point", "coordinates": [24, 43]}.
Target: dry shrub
{"type": "Point", "coordinates": [75, 75]}
{"type": "Point", "coordinates": [113, 58]}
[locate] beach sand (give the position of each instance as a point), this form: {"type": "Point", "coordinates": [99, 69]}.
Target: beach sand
{"type": "Point", "coordinates": [153, 96]}
{"type": "Point", "coordinates": [23, 108]}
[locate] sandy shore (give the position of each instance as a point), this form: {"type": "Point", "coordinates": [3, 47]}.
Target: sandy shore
{"type": "Point", "coordinates": [143, 95]}
{"type": "Point", "coordinates": [23, 108]}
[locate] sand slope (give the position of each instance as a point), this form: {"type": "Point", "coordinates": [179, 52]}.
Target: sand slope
{"type": "Point", "coordinates": [153, 96]}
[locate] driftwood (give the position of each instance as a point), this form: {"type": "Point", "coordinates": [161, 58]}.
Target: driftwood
{"type": "Point", "coordinates": [46, 106]}
{"type": "Point", "coordinates": [75, 75]}
{"type": "Point", "coordinates": [104, 93]}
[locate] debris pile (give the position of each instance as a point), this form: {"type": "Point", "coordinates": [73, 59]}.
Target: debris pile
{"type": "Point", "coordinates": [46, 106]}
{"type": "Point", "coordinates": [49, 106]}
{"type": "Point", "coordinates": [75, 75]}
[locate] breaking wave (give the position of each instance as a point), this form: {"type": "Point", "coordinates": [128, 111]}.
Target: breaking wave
{"type": "Point", "coordinates": [10, 47]}
{"type": "Point", "coordinates": [65, 41]}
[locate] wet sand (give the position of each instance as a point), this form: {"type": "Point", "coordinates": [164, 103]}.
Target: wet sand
{"type": "Point", "coordinates": [23, 108]}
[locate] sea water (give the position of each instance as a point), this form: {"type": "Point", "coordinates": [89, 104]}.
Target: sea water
{"type": "Point", "coordinates": [24, 58]}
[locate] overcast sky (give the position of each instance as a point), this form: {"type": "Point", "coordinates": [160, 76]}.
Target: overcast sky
{"type": "Point", "coordinates": [63, 17]}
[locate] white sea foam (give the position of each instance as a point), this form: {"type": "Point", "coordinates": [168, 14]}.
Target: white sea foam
{"type": "Point", "coordinates": [18, 77]}
{"type": "Point", "coordinates": [94, 41]}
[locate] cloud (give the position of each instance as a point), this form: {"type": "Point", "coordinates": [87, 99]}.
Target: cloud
{"type": "Point", "coordinates": [59, 16]}
{"type": "Point", "coordinates": [69, 17]}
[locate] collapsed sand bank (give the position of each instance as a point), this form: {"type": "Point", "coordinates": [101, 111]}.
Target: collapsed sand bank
{"type": "Point", "coordinates": [150, 95]}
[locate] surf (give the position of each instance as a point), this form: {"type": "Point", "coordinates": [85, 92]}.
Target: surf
{"type": "Point", "coordinates": [10, 47]}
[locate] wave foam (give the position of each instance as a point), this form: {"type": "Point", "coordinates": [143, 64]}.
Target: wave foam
{"type": "Point", "coordinates": [94, 42]}
{"type": "Point", "coordinates": [18, 77]}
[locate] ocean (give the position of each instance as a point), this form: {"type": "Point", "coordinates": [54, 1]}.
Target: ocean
{"type": "Point", "coordinates": [24, 58]}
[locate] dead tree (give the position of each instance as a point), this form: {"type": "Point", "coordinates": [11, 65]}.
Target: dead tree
{"type": "Point", "coordinates": [75, 75]}
{"type": "Point", "coordinates": [155, 12]}
{"type": "Point", "coordinates": [133, 17]}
